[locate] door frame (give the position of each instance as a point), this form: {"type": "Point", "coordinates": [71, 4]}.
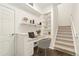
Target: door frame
{"type": "Point", "coordinates": [5, 5]}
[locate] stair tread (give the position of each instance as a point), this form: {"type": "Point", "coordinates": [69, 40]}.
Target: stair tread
{"type": "Point", "coordinates": [60, 31]}
{"type": "Point", "coordinates": [64, 39]}
{"type": "Point", "coordinates": [63, 29]}
{"type": "Point", "coordinates": [65, 36]}
{"type": "Point", "coordinates": [64, 33]}
{"type": "Point", "coordinates": [65, 48]}
{"type": "Point", "coordinates": [64, 26]}
{"type": "Point", "coordinates": [65, 43]}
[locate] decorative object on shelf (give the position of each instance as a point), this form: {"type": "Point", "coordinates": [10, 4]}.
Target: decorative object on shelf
{"type": "Point", "coordinates": [38, 32]}
{"type": "Point", "coordinates": [30, 21]}
{"type": "Point", "coordinates": [33, 22]}
{"type": "Point", "coordinates": [49, 33]}
{"type": "Point", "coordinates": [25, 19]}
{"type": "Point", "coordinates": [40, 23]}
{"type": "Point", "coordinates": [31, 34]}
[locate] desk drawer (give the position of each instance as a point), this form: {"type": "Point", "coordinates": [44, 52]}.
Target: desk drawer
{"type": "Point", "coordinates": [28, 52]}
{"type": "Point", "coordinates": [28, 49]}
{"type": "Point", "coordinates": [28, 44]}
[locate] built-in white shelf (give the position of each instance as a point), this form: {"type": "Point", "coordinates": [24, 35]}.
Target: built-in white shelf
{"type": "Point", "coordinates": [39, 26]}
{"type": "Point", "coordinates": [20, 33]}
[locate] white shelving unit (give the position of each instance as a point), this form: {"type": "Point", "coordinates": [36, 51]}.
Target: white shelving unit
{"type": "Point", "coordinates": [34, 25]}
{"type": "Point", "coordinates": [47, 23]}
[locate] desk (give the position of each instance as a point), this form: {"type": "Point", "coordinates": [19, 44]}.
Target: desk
{"type": "Point", "coordinates": [38, 38]}
{"type": "Point", "coordinates": [25, 45]}
{"type": "Point", "coordinates": [34, 40]}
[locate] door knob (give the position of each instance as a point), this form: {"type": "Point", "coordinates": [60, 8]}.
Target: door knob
{"type": "Point", "coordinates": [11, 34]}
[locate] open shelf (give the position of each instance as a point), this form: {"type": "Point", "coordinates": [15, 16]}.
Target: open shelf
{"type": "Point", "coordinates": [31, 25]}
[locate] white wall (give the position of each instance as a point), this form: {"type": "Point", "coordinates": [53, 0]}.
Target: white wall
{"type": "Point", "coordinates": [75, 20]}
{"type": "Point", "coordinates": [19, 14]}
{"type": "Point", "coordinates": [54, 25]}
{"type": "Point", "coordinates": [64, 12]}
{"type": "Point", "coordinates": [48, 9]}
{"type": "Point", "coordinates": [70, 12]}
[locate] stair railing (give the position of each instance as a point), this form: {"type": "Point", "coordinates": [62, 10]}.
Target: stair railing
{"type": "Point", "coordinates": [74, 34]}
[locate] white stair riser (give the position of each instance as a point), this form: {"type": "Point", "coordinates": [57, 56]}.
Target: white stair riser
{"type": "Point", "coordinates": [65, 37]}
{"type": "Point", "coordinates": [66, 51]}
{"type": "Point", "coordinates": [68, 45]}
{"type": "Point", "coordinates": [65, 48]}
{"type": "Point", "coordinates": [65, 40]}
{"type": "Point", "coordinates": [63, 31]}
{"type": "Point", "coordinates": [63, 28]}
{"type": "Point", "coordinates": [72, 47]}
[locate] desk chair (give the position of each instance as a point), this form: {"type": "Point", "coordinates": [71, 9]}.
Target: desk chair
{"type": "Point", "coordinates": [44, 43]}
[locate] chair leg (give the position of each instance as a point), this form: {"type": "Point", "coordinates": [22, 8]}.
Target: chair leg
{"type": "Point", "coordinates": [45, 52]}
{"type": "Point", "coordinates": [38, 50]}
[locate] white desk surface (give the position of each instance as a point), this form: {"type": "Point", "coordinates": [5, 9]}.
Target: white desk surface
{"type": "Point", "coordinates": [38, 38]}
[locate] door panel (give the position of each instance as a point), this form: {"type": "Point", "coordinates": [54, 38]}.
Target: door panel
{"type": "Point", "coordinates": [6, 30]}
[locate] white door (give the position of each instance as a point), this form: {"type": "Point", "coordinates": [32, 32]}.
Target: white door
{"type": "Point", "coordinates": [6, 30]}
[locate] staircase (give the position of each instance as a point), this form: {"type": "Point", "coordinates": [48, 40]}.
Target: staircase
{"type": "Point", "coordinates": [64, 40]}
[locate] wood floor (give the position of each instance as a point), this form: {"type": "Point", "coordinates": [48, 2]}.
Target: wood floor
{"type": "Point", "coordinates": [49, 52]}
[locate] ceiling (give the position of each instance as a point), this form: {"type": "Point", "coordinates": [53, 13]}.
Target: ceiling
{"type": "Point", "coordinates": [45, 6]}
{"type": "Point", "coordinates": [42, 7]}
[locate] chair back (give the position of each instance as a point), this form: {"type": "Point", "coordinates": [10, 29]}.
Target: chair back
{"type": "Point", "coordinates": [44, 43]}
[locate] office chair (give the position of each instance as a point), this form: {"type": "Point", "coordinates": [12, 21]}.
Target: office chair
{"type": "Point", "coordinates": [44, 43]}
